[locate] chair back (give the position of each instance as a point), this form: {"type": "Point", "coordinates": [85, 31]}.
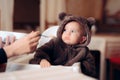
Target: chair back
{"type": "Point", "coordinates": [50, 32]}
{"type": "Point", "coordinates": [96, 55]}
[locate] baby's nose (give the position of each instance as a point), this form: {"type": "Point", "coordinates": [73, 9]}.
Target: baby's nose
{"type": "Point", "coordinates": [68, 32]}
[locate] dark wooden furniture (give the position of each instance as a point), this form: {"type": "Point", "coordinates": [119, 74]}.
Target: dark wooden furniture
{"type": "Point", "coordinates": [115, 68]}
{"type": "Point", "coordinates": [26, 14]}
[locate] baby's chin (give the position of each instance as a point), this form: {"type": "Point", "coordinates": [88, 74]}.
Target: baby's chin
{"type": "Point", "coordinates": [68, 43]}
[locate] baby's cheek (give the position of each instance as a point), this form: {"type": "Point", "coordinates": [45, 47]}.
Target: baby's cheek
{"type": "Point", "coordinates": [62, 37]}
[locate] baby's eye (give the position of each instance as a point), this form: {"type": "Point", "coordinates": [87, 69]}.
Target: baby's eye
{"type": "Point", "coordinates": [73, 31]}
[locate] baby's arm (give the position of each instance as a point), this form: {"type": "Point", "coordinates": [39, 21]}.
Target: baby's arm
{"type": "Point", "coordinates": [44, 63]}
{"type": "Point", "coordinates": [43, 52]}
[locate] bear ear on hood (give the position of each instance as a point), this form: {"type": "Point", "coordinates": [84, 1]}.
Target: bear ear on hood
{"type": "Point", "coordinates": [62, 16]}
{"type": "Point", "coordinates": [90, 21]}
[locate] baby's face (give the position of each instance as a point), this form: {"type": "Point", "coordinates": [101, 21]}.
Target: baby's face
{"type": "Point", "coordinates": [72, 33]}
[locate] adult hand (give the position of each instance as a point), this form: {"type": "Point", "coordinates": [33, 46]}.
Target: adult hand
{"type": "Point", "coordinates": [24, 45]}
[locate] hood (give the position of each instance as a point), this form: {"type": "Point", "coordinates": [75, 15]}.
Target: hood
{"type": "Point", "coordinates": [86, 23]}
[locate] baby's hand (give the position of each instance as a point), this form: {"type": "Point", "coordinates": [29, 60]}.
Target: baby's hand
{"type": "Point", "coordinates": [44, 63]}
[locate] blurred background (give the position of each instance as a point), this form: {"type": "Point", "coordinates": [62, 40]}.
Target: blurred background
{"type": "Point", "coordinates": [28, 15]}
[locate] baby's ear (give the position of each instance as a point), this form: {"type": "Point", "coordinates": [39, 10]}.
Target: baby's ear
{"type": "Point", "coordinates": [83, 39]}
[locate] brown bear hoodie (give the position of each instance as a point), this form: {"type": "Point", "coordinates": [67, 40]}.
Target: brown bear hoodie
{"type": "Point", "coordinates": [59, 53]}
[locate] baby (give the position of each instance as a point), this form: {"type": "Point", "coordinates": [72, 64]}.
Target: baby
{"type": "Point", "coordinates": [70, 45]}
